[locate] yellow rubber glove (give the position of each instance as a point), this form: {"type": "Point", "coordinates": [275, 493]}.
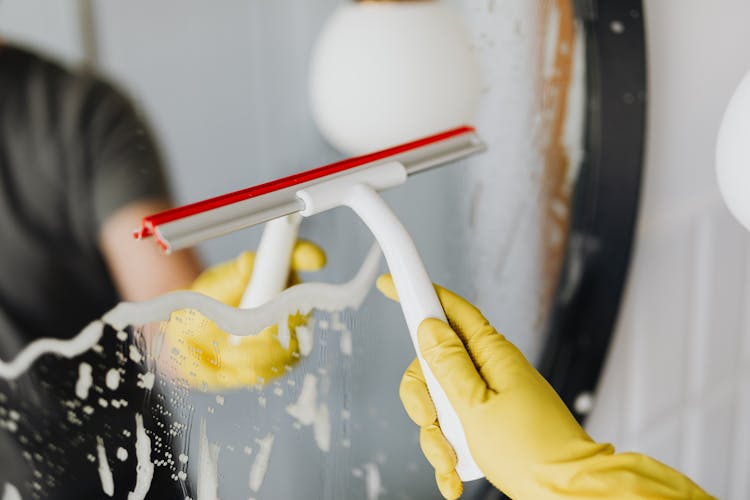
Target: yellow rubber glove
{"type": "Point", "coordinates": [520, 433]}
{"type": "Point", "coordinates": [206, 357]}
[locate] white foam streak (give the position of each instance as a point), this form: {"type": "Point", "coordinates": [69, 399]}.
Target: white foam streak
{"type": "Point", "coordinates": [260, 464]}
{"type": "Point", "coordinates": [208, 462]}
{"type": "Point", "coordinates": [68, 348]}
{"type": "Point", "coordinates": [85, 380]}
{"type": "Point", "coordinates": [11, 492]}
{"type": "Point", "coordinates": [306, 407]}
{"type": "Point", "coordinates": [105, 473]}
{"type": "Point", "coordinates": [307, 411]}
{"type": "Point", "coordinates": [345, 343]}
{"type": "Point", "coordinates": [112, 379]}
{"type": "Point", "coordinates": [305, 339]}
{"type": "Point", "coordinates": [373, 483]}
{"type": "Point", "coordinates": [145, 468]}
{"type": "Point", "coordinates": [322, 428]}
{"type": "Point", "coordinates": [243, 322]}
{"type": "Point", "coordinates": [299, 298]}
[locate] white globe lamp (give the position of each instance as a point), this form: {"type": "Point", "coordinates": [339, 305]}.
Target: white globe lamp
{"type": "Point", "coordinates": [386, 72]}
{"type": "Point", "coordinates": [733, 154]}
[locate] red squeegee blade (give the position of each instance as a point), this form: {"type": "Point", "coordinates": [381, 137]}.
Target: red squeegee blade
{"type": "Point", "coordinates": [151, 222]}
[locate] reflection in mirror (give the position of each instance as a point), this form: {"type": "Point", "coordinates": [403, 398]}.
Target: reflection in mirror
{"type": "Point", "coordinates": [155, 399]}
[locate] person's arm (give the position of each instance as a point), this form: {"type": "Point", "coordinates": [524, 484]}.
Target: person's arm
{"type": "Point", "coordinates": [520, 433]}
{"type": "Point", "coordinates": [124, 178]}
{"type": "Point", "coordinates": [138, 269]}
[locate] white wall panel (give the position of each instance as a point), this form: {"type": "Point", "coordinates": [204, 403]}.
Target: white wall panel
{"type": "Point", "coordinates": [659, 348]}
{"type": "Point", "coordinates": [679, 362]}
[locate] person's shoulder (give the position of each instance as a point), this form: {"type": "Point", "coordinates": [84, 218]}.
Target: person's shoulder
{"type": "Point", "coordinates": [31, 64]}
{"type": "Point", "coordinates": [23, 62]}
{"type": "Point", "coordinates": [77, 89]}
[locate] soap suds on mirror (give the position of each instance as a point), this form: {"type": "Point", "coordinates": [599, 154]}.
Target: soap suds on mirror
{"type": "Point", "coordinates": [85, 380]}
{"type": "Point", "coordinates": [260, 464]}
{"type": "Point", "coordinates": [305, 408]}
{"type": "Point", "coordinates": [134, 354]}
{"type": "Point", "coordinates": [105, 473]}
{"type": "Point", "coordinates": [336, 323]}
{"type": "Point", "coordinates": [284, 335]}
{"type": "Point", "coordinates": [208, 461]}
{"type": "Point", "coordinates": [306, 411]}
{"type": "Point", "coordinates": [304, 339]}
{"type": "Point", "coordinates": [242, 322]}
{"type": "Point", "coordinates": [10, 492]}
{"type": "Point", "coordinates": [146, 380]}
{"type": "Point", "coordinates": [68, 348]}
{"type": "Point", "coordinates": [145, 468]}
{"type": "Point", "coordinates": [301, 298]}
{"type": "Point", "coordinates": [322, 428]}
{"type": "Point", "coordinates": [112, 379]}
{"type": "Point", "coordinates": [345, 342]}
{"type": "Point", "coordinates": [373, 483]}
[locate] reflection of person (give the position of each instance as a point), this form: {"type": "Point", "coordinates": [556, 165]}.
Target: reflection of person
{"type": "Point", "coordinates": [519, 431]}
{"type": "Point", "coordinates": [78, 170]}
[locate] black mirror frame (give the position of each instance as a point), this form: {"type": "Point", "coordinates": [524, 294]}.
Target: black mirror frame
{"type": "Point", "coordinates": [604, 204]}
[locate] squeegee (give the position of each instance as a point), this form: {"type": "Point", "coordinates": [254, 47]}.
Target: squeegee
{"type": "Point", "coordinates": [354, 182]}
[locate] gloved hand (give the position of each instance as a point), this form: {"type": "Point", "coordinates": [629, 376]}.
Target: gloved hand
{"type": "Point", "coordinates": [519, 431]}
{"type": "Point", "coordinates": [208, 358]}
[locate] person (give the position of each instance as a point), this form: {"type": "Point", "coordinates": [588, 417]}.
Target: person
{"type": "Point", "coordinates": [520, 433]}
{"type": "Point", "coordinates": [78, 169]}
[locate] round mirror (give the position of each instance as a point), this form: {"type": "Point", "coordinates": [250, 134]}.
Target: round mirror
{"type": "Point", "coordinates": [154, 399]}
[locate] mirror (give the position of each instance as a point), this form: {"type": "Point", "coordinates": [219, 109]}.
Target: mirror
{"type": "Point", "coordinates": [225, 90]}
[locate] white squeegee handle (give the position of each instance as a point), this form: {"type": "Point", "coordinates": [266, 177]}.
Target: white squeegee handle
{"type": "Point", "coordinates": [418, 302]}
{"type": "Point", "coordinates": [272, 261]}
{"type": "Point", "coordinates": [415, 290]}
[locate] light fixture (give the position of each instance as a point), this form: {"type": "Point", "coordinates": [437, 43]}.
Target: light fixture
{"type": "Point", "coordinates": [386, 72]}
{"type": "Point", "coordinates": [733, 154]}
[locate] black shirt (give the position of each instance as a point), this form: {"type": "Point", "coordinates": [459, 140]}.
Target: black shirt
{"type": "Point", "coordinates": [72, 151]}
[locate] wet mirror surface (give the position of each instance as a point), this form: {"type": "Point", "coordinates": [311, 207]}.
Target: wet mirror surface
{"type": "Point", "coordinates": [160, 402]}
